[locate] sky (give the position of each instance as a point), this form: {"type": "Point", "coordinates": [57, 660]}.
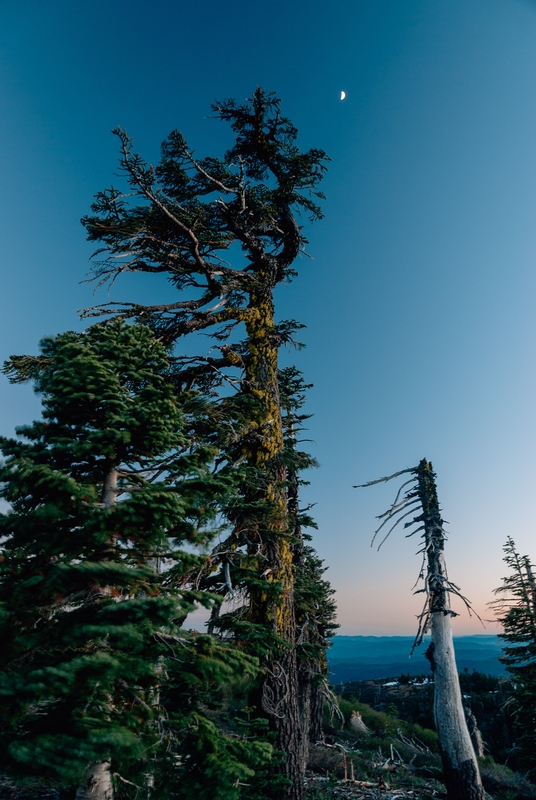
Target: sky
{"type": "Point", "coordinates": [420, 300]}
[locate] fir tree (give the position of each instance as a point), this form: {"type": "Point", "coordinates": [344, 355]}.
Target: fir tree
{"type": "Point", "coordinates": [516, 611]}
{"type": "Point", "coordinates": [182, 218]}
{"type": "Point", "coordinates": [315, 608]}
{"type": "Point", "coordinates": [99, 683]}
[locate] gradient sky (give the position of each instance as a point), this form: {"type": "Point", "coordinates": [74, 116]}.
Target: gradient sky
{"type": "Point", "coordinates": [420, 301]}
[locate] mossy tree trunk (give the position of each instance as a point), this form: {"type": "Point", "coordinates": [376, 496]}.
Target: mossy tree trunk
{"type": "Point", "coordinates": [264, 453]}
{"type": "Point", "coordinates": [189, 213]}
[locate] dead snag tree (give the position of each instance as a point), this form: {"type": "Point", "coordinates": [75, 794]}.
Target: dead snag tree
{"type": "Point", "coordinates": [460, 767]}
{"type": "Point", "coordinates": [186, 218]}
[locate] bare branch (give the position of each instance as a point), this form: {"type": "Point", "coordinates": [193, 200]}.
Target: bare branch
{"type": "Point", "coordinates": [399, 520]}
{"type": "Point", "coordinates": [404, 505]}
{"type": "Point", "coordinates": [395, 508]}
{"type": "Point", "coordinates": [408, 535]}
{"type": "Point", "coordinates": [209, 177]}
{"type": "Point", "coordinates": [384, 480]}
{"type": "Point", "coordinates": [411, 480]}
{"type": "Point", "coordinates": [163, 208]}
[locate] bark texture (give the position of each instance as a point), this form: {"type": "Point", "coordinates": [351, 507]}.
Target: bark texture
{"type": "Point", "coordinates": [97, 783]}
{"type": "Point", "coordinates": [109, 488]}
{"type": "Point", "coordinates": [314, 611]}
{"type": "Point", "coordinates": [462, 777]}
{"type": "Point", "coordinates": [316, 732]}
{"type": "Point", "coordinates": [280, 689]}
{"type": "Point", "coordinates": [474, 732]}
{"type": "Point", "coordinates": [460, 766]}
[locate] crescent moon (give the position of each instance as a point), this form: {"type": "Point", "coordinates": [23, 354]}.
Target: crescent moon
{"type": "Point", "coordinates": [343, 95]}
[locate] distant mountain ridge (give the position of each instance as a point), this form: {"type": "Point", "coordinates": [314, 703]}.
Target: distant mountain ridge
{"type": "Point", "coordinates": [358, 658]}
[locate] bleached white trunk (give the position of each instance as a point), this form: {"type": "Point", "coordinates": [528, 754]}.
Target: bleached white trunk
{"type": "Point", "coordinates": [97, 783]}
{"type": "Point", "coordinates": [357, 724]}
{"type": "Point", "coordinates": [460, 767]}
{"type": "Point", "coordinates": [462, 776]}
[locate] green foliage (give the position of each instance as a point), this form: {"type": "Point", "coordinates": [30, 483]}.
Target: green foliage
{"type": "Point", "coordinates": [218, 766]}
{"type": "Point", "coordinates": [387, 725]}
{"type": "Point", "coordinates": [516, 611]}
{"type": "Point", "coordinates": [183, 216]}
{"type": "Point", "coordinates": [503, 783]}
{"type": "Point", "coordinates": [315, 607]}
{"type": "Point", "coordinates": [107, 498]}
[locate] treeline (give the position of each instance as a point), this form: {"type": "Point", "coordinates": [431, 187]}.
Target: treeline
{"type": "Point", "coordinates": [156, 483]}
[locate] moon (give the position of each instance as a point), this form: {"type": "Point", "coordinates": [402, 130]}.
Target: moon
{"type": "Point", "coordinates": [343, 95]}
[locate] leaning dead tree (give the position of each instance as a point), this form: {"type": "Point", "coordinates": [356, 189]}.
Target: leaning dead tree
{"type": "Point", "coordinates": [420, 502]}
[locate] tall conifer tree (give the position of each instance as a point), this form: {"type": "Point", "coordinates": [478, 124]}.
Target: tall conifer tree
{"type": "Point", "coordinates": [182, 218]}
{"type": "Point", "coordinates": [315, 607]}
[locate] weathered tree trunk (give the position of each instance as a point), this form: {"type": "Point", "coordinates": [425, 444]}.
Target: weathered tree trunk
{"type": "Point", "coordinates": [474, 733]}
{"type": "Point", "coordinates": [305, 706]}
{"type": "Point", "coordinates": [312, 617]}
{"type": "Point", "coordinates": [280, 701]}
{"type": "Point", "coordinates": [312, 674]}
{"type": "Point", "coordinates": [357, 724]}
{"type": "Point", "coordinates": [460, 767]}
{"type": "Point", "coordinates": [280, 689]}
{"type": "Point", "coordinates": [311, 701]}
{"type": "Point", "coordinates": [97, 783]}
{"type": "Point", "coordinates": [316, 733]}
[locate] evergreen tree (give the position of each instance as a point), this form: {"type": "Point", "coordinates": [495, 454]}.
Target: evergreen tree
{"type": "Point", "coordinates": [516, 611]}
{"type": "Point", "coordinates": [315, 607]}
{"type": "Point", "coordinates": [182, 218]}
{"type": "Point", "coordinates": [99, 683]}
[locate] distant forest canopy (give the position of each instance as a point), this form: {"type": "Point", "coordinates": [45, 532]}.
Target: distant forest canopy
{"type": "Point", "coordinates": [355, 658]}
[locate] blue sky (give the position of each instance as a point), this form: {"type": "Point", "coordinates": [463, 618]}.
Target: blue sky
{"type": "Point", "coordinates": [419, 303]}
